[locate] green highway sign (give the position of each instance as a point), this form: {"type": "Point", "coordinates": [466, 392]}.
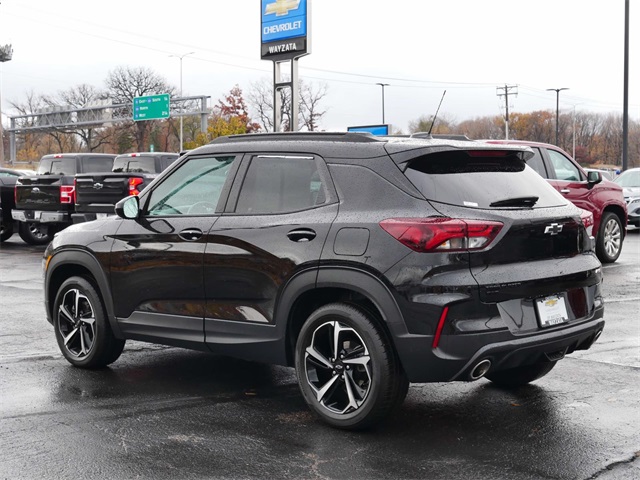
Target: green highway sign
{"type": "Point", "coordinates": [151, 107]}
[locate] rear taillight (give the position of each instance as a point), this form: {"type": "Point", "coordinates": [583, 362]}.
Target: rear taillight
{"type": "Point", "coordinates": [134, 182]}
{"type": "Point", "coordinates": [441, 234]}
{"type": "Point", "coordinates": [587, 218]}
{"type": "Point", "coordinates": [68, 194]}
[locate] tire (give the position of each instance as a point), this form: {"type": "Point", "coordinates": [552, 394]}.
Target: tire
{"type": "Point", "coordinates": [519, 376]}
{"type": "Point", "coordinates": [347, 369]}
{"type": "Point", "coordinates": [35, 233]}
{"type": "Point", "coordinates": [81, 326]}
{"type": "Point", "coordinates": [610, 236]}
{"type": "Point", "coordinates": [6, 230]}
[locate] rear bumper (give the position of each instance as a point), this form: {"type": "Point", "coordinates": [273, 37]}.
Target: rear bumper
{"type": "Point", "coordinates": [38, 216]}
{"type": "Point", "coordinates": [447, 362]}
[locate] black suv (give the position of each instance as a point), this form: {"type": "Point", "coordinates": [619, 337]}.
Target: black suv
{"type": "Point", "coordinates": [367, 263]}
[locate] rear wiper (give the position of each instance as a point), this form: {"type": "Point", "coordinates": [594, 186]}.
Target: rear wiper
{"type": "Point", "coordinates": [516, 202]}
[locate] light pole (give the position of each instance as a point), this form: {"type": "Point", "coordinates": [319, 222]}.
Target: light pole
{"type": "Point", "coordinates": [181, 57]}
{"type": "Point", "coordinates": [383, 85]}
{"type": "Point", "coordinates": [6, 53]}
{"type": "Point", "coordinates": [557, 90]}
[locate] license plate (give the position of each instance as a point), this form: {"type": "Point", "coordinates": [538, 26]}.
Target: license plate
{"type": "Point", "coordinates": [552, 311]}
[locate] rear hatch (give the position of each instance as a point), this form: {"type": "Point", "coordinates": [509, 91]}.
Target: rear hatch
{"type": "Point", "coordinates": [101, 191]}
{"type": "Point", "coordinates": [541, 250]}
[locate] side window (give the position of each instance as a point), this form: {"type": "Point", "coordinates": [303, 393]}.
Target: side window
{"type": "Point", "coordinates": [537, 163]}
{"type": "Point", "coordinates": [192, 189]}
{"type": "Point", "coordinates": [565, 169]}
{"type": "Point", "coordinates": [280, 184]}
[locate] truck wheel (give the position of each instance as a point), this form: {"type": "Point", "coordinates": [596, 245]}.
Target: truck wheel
{"type": "Point", "coordinates": [519, 376]}
{"type": "Point", "coordinates": [609, 241]}
{"type": "Point", "coordinates": [81, 326]}
{"type": "Point", "coordinates": [6, 230]}
{"type": "Point", "coordinates": [347, 369]}
{"type": "Point", "coordinates": [35, 233]}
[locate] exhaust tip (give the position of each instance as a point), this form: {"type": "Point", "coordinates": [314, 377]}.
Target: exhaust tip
{"type": "Point", "coordinates": [480, 370]}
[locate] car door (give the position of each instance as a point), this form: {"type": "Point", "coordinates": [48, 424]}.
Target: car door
{"type": "Point", "coordinates": [157, 259]}
{"type": "Point", "coordinates": [569, 180]}
{"type": "Point", "coordinates": [277, 220]}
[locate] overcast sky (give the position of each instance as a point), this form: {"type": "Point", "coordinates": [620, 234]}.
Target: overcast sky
{"type": "Point", "coordinates": [419, 47]}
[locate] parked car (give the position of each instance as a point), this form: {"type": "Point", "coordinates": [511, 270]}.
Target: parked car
{"type": "Point", "coordinates": [366, 263]}
{"type": "Point", "coordinates": [589, 191]}
{"type": "Point", "coordinates": [97, 193]}
{"type": "Point", "coordinates": [629, 180]}
{"type": "Point", "coordinates": [46, 200]}
{"type": "Point", "coordinates": [8, 178]}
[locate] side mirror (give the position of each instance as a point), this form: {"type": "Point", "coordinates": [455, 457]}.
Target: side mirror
{"type": "Point", "coordinates": [594, 177]}
{"type": "Point", "coordinates": [128, 207]}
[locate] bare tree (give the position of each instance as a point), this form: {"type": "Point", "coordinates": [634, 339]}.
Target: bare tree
{"type": "Point", "coordinates": [310, 99]}
{"type": "Point", "coordinates": [125, 83]}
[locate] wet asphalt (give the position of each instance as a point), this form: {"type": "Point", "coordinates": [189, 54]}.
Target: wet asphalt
{"type": "Point", "coordinates": [163, 412]}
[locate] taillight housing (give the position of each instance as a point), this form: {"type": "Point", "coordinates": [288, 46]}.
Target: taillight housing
{"type": "Point", "coordinates": [441, 234]}
{"type": "Point", "coordinates": [67, 194]}
{"type": "Point", "coordinates": [134, 183]}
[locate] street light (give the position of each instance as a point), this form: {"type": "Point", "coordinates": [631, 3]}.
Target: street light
{"type": "Point", "coordinates": [557, 90]}
{"type": "Point", "coordinates": [181, 57]}
{"type": "Point", "coordinates": [6, 53]}
{"type": "Point", "coordinates": [383, 85]}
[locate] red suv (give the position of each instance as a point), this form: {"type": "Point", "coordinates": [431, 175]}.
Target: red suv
{"type": "Point", "coordinates": [589, 191]}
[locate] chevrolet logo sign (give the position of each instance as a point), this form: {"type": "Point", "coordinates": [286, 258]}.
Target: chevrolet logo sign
{"type": "Point", "coordinates": [553, 229]}
{"type": "Point", "coordinates": [281, 7]}
{"type": "Point", "coordinates": [97, 186]}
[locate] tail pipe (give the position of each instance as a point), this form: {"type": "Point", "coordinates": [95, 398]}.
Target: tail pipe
{"type": "Point", "coordinates": [480, 370]}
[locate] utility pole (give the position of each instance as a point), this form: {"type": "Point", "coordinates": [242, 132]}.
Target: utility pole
{"type": "Point", "coordinates": [507, 89]}
{"type": "Point", "coordinates": [6, 53]}
{"type": "Point", "coordinates": [557, 90]}
{"type": "Point", "coordinates": [625, 107]}
{"type": "Point", "coordinates": [181, 57]}
{"type": "Point", "coordinates": [383, 85]}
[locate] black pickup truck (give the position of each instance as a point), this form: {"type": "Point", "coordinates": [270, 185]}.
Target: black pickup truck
{"type": "Point", "coordinates": [97, 193]}
{"type": "Point", "coordinates": [45, 201]}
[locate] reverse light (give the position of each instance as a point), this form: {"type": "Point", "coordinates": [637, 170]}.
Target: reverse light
{"type": "Point", "coordinates": [441, 234]}
{"type": "Point", "coordinates": [68, 194]}
{"type": "Point", "coordinates": [134, 182]}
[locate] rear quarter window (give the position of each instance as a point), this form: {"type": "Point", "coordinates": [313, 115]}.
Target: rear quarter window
{"type": "Point", "coordinates": [457, 178]}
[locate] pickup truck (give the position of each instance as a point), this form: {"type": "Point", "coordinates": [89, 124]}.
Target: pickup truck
{"type": "Point", "coordinates": [97, 193]}
{"type": "Point", "coordinates": [45, 201]}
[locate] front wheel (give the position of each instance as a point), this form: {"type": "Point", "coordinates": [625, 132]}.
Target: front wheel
{"type": "Point", "coordinates": [610, 235]}
{"type": "Point", "coordinates": [81, 326]}
{"type": "Point", "coordinates": [519, 376]}
{"type": "Point", "coordinates": [35, 233]}
{"type": "Point", "coordinates": [347, 369]}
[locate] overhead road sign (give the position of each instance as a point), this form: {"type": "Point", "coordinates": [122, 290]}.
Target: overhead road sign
{"type": "Point", "coordinates": [151, 107]}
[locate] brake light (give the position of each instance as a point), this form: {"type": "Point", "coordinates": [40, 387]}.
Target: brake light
{"type": "Point", "coordinates": [134, 182]}
{"type": "Point", "coordinates": [436, 337]}
{"type": "Point", "coordinates": [68, 193]}
{"type": "Point", "coordinates": [441, 234]}
{"type": "Point", "coordinates": [489, 153]}
{"type": "Point", "coordinates": [587, 218]}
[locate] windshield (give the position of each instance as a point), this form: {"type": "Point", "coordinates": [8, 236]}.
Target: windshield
{"type": "Point", "coordinates": [630, 178]}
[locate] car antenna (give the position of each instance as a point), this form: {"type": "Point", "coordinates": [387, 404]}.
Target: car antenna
{"type": "Point", "coordinates": [433, 122]}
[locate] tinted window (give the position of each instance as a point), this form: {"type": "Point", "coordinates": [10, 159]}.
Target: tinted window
{"type": "Point", "coordinates": [192, 189]}
{"type": "Point", "coordinates": [97, 164]}
{"type": "Point", "coordinates": [565, 169]}
{"type": "Point", "coordinates": [280, 184]}
{"type": "Point", "coordinates": [57, 166]}
{"type": "Point", "coordinates": [537, 163]}
{"type": "Point", "coordinates": [134, 164]}
{"type": "Point", "coordinates": [477, 182]}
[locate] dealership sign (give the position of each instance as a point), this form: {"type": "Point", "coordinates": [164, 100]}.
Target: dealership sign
{"type": "Point", "coordinates": [284, 25]}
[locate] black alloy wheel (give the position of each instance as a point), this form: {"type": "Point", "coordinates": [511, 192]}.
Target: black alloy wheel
{"type": "Point", "coordinates": [82, 330]}
{"type": "Point", "coordinates": [35, 233]}
{"type": "Point", "coordinates": [347, 370]}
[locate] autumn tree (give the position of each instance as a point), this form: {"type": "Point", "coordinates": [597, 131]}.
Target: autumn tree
{"type": "Point", "coordinates": [125, 83]}
{"type": "Point", "coordinates": [234, 105]}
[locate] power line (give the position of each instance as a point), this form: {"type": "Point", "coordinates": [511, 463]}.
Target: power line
{"type": "Point", "coordinates": [507, 89]}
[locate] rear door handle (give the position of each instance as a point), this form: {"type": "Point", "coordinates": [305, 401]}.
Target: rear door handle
{"type": "Point", "coordinates": [301, 235]}
{"type": "Point", "coordinates": [190, 234]}
{"type": "Point", "coordinates": [565, 190]}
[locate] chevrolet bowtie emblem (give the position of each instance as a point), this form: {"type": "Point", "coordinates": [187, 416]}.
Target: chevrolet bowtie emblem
{"type": "Point", "coordinates": [553, 229]}
{"type": "Point", "coordinates": [98, 186]}
{"type": "Point", "coordinates": [281, 7]}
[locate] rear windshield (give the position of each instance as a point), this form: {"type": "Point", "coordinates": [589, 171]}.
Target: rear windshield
{"type": "Point", "coordinates": [135, 164]}
{"type": "Point", "coordinates": [57, 166]}
{"type": "Point", "coordinates": [456, 178]}
{"type": "Point", "coordinates": [97, 164]}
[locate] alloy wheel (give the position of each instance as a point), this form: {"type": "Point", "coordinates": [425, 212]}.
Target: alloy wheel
{"type": "Point", "coordinates": [612, 238]}
{"type": "Point", "coordinates": [338, 367]}
{"type": "Point", "coordinates": [77, 323]}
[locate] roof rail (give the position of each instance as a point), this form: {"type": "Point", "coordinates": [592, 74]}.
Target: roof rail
{"type": "Point", "coordinates": [443, 136]}
{"type": "Point", "coordinates": [357, 137]}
